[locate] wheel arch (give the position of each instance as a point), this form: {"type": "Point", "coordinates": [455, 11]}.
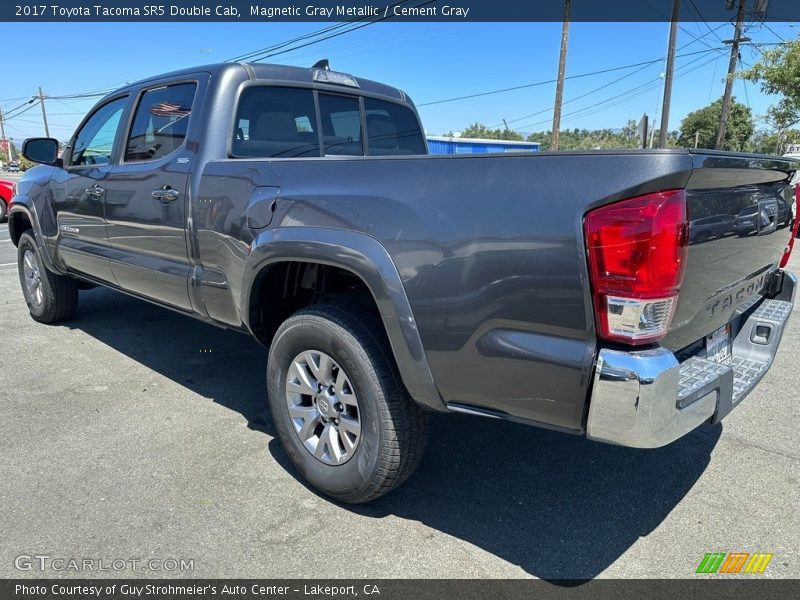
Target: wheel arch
{"type": "Point", "coordinates": [22, 218]}
{"type": "Point", "coordinates": [366, 259]}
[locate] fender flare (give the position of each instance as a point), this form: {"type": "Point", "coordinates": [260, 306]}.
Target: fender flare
{"type": "Point", "coordinates": [366, 258]}
{"type": "Point", "coordinates": [20, 206]}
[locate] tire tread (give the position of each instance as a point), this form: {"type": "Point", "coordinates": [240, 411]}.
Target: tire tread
{"type": "Point", "coordinates": [60, 293]}
{"type": "Point", "coordinates": [404, 423]}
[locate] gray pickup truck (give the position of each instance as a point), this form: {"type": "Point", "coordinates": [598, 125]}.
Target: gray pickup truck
{"type": "Point", "coordinates": [609, 294]}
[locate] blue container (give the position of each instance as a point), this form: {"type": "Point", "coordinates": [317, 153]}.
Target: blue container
{"type": "Point", "coordinates": [454, 145]}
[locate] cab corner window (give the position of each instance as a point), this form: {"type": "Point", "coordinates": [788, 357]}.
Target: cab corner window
{"type": "Point", "coordinates": [275, 122]}
{"type": "Point", "coordinates": [160, 123]}
{"type": "Point", "coordinates": [94, 143]}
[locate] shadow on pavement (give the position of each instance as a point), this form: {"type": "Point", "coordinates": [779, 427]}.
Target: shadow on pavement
{"type": "Point", "coordinates": [559, 506]}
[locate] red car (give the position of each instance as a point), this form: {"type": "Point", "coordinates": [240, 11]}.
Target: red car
{"type": "Point", "coordinates": [6, 191]}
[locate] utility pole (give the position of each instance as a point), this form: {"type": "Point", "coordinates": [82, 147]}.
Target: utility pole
{"type": "Point", "coordinates": [696, 138]}
{"type": "Point", "coordinates": [673, 34]}
{"type": "Point", "coordinates": [44, 114]}
{"type": "Point", "coordinates": [6, 143]}
{"type": "Point", "coordinates": [726, 98]}
{"type": "Point", "coordinates": [562, 65]}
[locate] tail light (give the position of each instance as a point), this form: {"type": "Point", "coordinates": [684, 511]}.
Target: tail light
{"type": "Point", "coordinates": [788, 251]}
{"type": "Point", "coordinates": [637, 256]}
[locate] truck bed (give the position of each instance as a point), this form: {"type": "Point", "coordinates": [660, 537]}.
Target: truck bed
{"type": "Point", "coordinates": [491, 253]}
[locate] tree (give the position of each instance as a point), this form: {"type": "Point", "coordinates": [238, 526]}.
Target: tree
{"type": "Point", "coordinates": [778, 72]}
{"type": "Point", "coordinates": [479, 130]}
{"type": "Point", "coordinates": [705, 121]}
{"type": "Point", "coordinates": [595, 139]}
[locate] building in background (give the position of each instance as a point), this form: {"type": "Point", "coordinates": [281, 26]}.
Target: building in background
{"type": "Point", "coordinates": [458, 145]}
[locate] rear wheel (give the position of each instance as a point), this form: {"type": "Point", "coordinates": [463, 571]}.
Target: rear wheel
{"type": "Point", "coordinates": [50, 297]}
{"type": "Point", "coordinates": [339, 406]}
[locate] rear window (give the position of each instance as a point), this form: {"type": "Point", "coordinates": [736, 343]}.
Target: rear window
{"type": "Point", "coordinates": [341, 125]}
{"type": "Point", "coordinates": [274, 122]}
{"type": "Point", "coordinates": [281, 122]}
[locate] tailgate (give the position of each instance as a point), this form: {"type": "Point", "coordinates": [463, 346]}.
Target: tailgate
{"type": "Point", "coordinates": [740, 217]}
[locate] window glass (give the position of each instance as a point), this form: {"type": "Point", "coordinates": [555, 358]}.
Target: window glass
{"type": "Point", "coordinates": [94, 142]}
{"type": "Point", "coordinates": [160, 124]}
{"type": "Point", "coordinates": [392, 129]}
{"type": "Point", "coordinates": [274, 122]}
{"type": "Point", "coordinates": [341, 125]}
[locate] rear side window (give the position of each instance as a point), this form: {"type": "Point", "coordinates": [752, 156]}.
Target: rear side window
{"type": "Point", "coordinates": [392, 129]}
{"type": "Point", "coordinates": [276, 122]}
{"type": "Point", "coordinates": [161, 122]}
{"type": "Point", "coordinates": [341, 125]}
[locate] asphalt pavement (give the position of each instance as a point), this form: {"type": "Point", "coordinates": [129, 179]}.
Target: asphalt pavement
{"type": "Point", "coordinates": [134, 433]}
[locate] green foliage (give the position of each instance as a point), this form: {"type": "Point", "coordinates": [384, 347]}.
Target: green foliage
{"type": "Point", "coordinates": [778, 72]}
{"type": "Point", "coordinates": [573, 139]}
{"type": "Point", "coordinates": [24, 163]}
{"type": "Point", "coordinates": [773, 142]}
{"type": "Point", "coordinates": [591, 139]}
{"type": "Point", "coordinates": [705, 121]}
{"type": "Point", "coordinates": [479, 130]}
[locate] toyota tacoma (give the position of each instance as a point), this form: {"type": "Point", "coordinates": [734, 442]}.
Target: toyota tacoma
{"type": "Point", "coordinates": [564, 290]}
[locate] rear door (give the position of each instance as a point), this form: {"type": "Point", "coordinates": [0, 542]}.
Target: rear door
{"type": "Point", "coordinates": [146, 194]}
{"type": "Point", "coordinates": [79, 192]}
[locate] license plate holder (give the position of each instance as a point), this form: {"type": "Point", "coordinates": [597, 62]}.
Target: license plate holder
{"type": "Point", "coordinates": [718, 345]}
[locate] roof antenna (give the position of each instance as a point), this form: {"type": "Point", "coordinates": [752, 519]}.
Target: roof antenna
{"type": "Point", "coordinates": [322, 64]}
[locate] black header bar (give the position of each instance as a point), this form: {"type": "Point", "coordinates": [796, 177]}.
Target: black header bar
{"type": "Point", "coordinates": [233, 11]}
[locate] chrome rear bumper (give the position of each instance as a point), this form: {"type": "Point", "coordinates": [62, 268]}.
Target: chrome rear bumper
{"type": "Point", "coordinates": [647, 399]}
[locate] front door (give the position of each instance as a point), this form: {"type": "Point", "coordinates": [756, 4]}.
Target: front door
{"type": "Point", "coordinates": [147, 201]}
{"type": "Point", "coordinates": [79, 193]}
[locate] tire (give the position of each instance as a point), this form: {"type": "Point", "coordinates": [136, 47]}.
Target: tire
{"type": "Point", "coordinates": [393, 429]}
{"type": "Point", "coordinates": [55, 298]}
{"type": "Point", "coordinates": [3, 210]}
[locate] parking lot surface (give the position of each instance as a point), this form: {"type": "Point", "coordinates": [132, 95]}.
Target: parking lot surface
{"type": "Point", "coordinates": [135, 433]}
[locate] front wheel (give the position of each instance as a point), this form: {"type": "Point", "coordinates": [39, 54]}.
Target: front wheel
{"type": "Point", "coordinates": [339, 406]}
{"type": "Point", "coordinates": [50, 297]}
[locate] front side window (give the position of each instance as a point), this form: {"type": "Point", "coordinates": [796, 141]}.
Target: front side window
{"type": "Point", "coordinates": [161, 121]}
{"type": "Point", "coordinates": [94, 142]}
{"type": "Point", "coordinates": [276, 122]}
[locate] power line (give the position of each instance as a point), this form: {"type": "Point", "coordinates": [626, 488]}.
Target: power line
{"type": "Point", "coordinates": [250, 55]}
{"type": "Point", "coordinates": [683, 29]}
{"type": "Point", "coordinates": [773, 32]}
{"type": "Point", "coordinates": [548, 81]}
{"type": "Point", "coordinates": [576, 98]}
{"type": "Point", "coordinates": [326, 33]}
{"type": "Point", "coordinates": [28, 105]}
{"type": "Point", "coordinates": [626, 95]}
{"type": "Point", "coordinates": [693, 6]}
{"type": "Point", "coordinates": [338, 33]}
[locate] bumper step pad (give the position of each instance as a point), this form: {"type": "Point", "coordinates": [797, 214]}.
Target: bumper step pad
{"type": "Point", "coordinates": [749, 362]}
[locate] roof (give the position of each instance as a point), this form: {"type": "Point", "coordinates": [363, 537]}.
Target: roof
{"type": "Point", "coordinates": [445, 138]}
{"type": "Point", "coordinates": [277, 73]}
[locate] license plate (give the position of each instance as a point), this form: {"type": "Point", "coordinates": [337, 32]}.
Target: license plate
{"type": "Point", "coordinates": [718, 345]}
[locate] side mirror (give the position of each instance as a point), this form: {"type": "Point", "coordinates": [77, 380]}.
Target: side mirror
{"type": "Point", "coordinates": [41, 150]}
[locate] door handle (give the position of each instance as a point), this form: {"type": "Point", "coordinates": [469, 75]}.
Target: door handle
{"type": "Point", "coordinates": [165, 194]}
{"type": "Point", "coordinates": [95, 191]}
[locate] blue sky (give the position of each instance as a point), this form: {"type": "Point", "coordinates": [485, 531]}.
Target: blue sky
{"type": "Point", "coordinates": [430, 61]}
